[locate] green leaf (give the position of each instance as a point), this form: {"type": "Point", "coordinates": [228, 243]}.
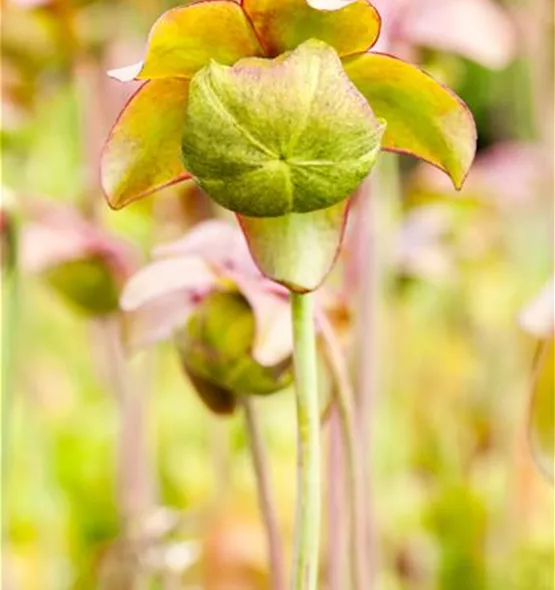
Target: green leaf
{"type": "Point", "coordinates": [542, 410]}
{"type": "Point", "coordinates": [423, 118]}
{"type": "Point", "coordinates": [282, 25]}
{"type": "Point", "coordinates": [142, 152]}
{"type": "Point", "coordinates": [297, 250]}
{"type": "Point", "coordinates": [270, 137]}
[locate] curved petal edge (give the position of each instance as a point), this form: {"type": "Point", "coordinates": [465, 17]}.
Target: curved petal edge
{"type": "Point", "coordinates": [143, 151]}
{"type": "Point", "coordinates": [424, 118]}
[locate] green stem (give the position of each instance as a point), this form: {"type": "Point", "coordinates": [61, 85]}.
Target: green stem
{"type": "Point", "coordinates": [307, 522]}
{"type": "Point", "coordinates": [344, 398]}
{"type": "Point", "coordinates": [11, 315]}
{"type": "Point", "coordinates": [265, 496]}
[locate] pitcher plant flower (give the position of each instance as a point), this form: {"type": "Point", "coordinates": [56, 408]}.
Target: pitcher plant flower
{"type": "Point", "coordinates": [230, 325]}
{"type": "Point", "coordinates": [206, 49]}
{"type": "Point", "coordinates": [231, 329]}
{"type": "Point", "coordinates": [278, 110]}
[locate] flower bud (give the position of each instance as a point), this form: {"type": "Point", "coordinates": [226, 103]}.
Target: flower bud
{"type": "Point", "coordinates": [266, 138]}
{"type": "Point", "coordinates": [216, 347]}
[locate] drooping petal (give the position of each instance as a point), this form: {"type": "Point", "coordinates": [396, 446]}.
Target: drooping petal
{"type": "Point", "coordinates": [166, 276]}
{"type": "Point", "coordinates": [273, 340]}
{"type": "Point", "coordinates": [220, 244]}
{"type": "Point", "coordinates": [348, 26]}
{"type": "Point", "coordinates": [143, 151]}
{"type": "Point", "coordinates": [184, 40]}
{"type": "Point", "coordinates": [296, 250]}
{"type": "Point", "coordinates": [155, 321]}
{"type": "Point", "coordinates": [424, 119]}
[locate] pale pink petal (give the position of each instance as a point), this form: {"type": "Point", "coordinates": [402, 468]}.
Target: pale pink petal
{"type": "Point", "coordinates": [274, 338]}
{"type": "Point", "coordinates": [538, 317]}
{"type": "Point", "coordinates": [126, 73]}
{"type": "Point", "coordinates": [186, 275]}
{"type": "Point", "coordinates": [477, 29]}
{"type": "Point", "coordinates": [221, 244]}
{"type": "Point", "coordinates": [512, 171]}
{"type": "Point", "coordinates": [156, 320]}
{"type": "Point", "coordinates": [508, 173]}
{"type": "Point", "coordinates": [57, 234]}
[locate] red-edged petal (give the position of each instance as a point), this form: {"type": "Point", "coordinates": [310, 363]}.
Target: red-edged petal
{"type": "Point", "coordinates": [184, 40]}
{"type": "Point", "coordinates": [424, 119]}
{"type": "Point", "coordinates": [143, 151]}
{"type": "Point", "coordinates": [297, 250]}
{"type": "Point", "coordinates": [348, 26]}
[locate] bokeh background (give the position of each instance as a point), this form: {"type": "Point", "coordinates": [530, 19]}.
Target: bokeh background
{"type": "Point", "coordinates": [116, 476]}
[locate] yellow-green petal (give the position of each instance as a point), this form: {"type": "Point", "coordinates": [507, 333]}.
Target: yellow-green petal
{"type": "Point", "coordinates": [183, 40]}
{"type": "Point", "coordinates": [282, 25]}
{"type": "Point", "coordinates": [297, 250]}
{"type": "Point", "coordinates": [424, 119]}
{"type": "Point", "coordinates": [143, 151]}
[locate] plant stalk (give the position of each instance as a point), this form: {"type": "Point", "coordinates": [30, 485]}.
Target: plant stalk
{"type": "Point", "coordinates": [265, 496]}
{"type": "Point", "coordinates": [307, 521]}
{"type": "Point", "coordinates": [336, 504]}
{"type": "Point", "coordinates": [11, 316]}
{"type": "Point", "coordinates": [344, 398]}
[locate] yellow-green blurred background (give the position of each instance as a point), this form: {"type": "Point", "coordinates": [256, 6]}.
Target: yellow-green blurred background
{"type": "Point", "coordinates": [458, 502]}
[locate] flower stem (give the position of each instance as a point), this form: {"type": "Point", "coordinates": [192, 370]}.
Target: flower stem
{"type": "Point", "coordinates": [336, 504]}
{"type": "Point", "coordinates": [344, 398]}
{"type": "Point", "coordinates": [11, 317]}
{"type": "Point", "coordinates": [265, 499]}
{"type": "Point", "coordinates": [307, 521]}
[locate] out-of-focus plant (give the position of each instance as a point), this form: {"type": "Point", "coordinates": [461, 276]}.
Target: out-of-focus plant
{"type": "Point", "coordinates": [538, 319]}
{"type": "Point", "coordinates": [230, 325]}
{"type": "Point", "coordinates": [279, 121]}
{"type": "Point", "coordinates": [231, 329]}
{"type": "Point", "coordinates": [85, 264]}
{"type": "Point", "coordinates": [479, 30]}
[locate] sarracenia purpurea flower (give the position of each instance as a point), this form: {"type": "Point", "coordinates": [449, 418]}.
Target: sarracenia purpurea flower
{"type": "Point", "coordinates": [282, 139]}
{"type": "Point", "coordinates": [230, 325]}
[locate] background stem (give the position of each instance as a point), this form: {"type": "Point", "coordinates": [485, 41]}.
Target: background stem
{"type": "Point", "coordinates": [344, 398]}
{"type": "Point", "coordinates": [265, 496]}
{"type": "Point", "coordinates": [336, 504]}
{"type": "Point", "coordinates": [307, 521]}
{"type": "Point", "coordinates": [379, 204]}
{"type": "Point", "coordinates": [10, 329]}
